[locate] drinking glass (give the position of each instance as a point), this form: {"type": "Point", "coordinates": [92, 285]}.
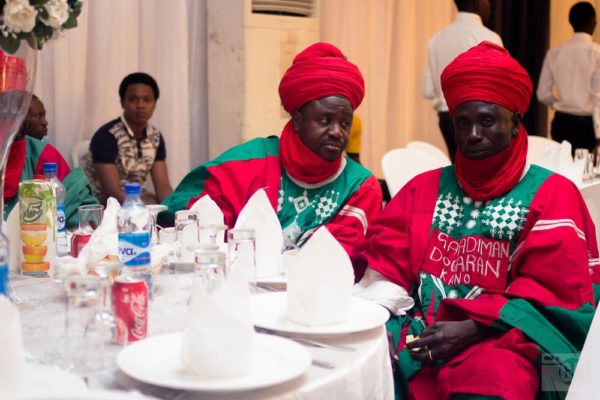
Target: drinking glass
{"type": "Point", "coordinates": [154, 210]}
{"type": "Point", "coordinates": [84, 348]}
{"type": "Point", "coordinates": [115, 327]}
{"type": "Point", "coordinates": [210, 232]}
{"type": "Point", "coordinates": [90, 217]}
{"type": "Point", "coordinates": [209, 267]}
{"type": "Point", "coordinates": [241, 255]}
{"type": "Point", "coordinates": [186, 234]}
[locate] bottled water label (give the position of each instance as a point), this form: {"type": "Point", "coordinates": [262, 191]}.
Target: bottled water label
{"type": "Point", "coordinates": [60, 218]}
{"type": "Point", "coordinates": [4, 279]}
{"type": "Point", "coordinates": [133, 249]}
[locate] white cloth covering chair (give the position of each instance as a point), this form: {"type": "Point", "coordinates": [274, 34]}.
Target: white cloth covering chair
{"type": "Point", "coordinates": [401, 165]}
{"type": "Point", "coordinates": [537, 147]}
{"type": "Point", "coordinates": [78, 153]}
{"type": "Point", "coordinates": [591, 195]}
{"type": "Point", "coordinates": [429, 148]}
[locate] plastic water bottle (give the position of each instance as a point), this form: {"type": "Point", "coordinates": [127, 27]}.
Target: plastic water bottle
{"type": "Point", "coordinates": [62, 244]}
{"type": "Point", "coordinates": [134, 236]}
{"type": "Point", "coordinates": [3, 265]}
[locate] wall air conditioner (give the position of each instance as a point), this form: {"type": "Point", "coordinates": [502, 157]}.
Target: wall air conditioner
{"type": "Point", "coordinates": [250, 45]}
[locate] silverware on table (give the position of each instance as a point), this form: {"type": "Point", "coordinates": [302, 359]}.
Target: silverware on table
{"type": "Point", "coordinates": [306, 341]}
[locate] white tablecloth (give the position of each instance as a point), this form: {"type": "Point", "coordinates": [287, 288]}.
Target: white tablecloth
{"type": "Point", "coordinates": [362, 374]}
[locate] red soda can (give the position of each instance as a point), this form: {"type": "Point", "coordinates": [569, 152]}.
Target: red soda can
{"type": "Point", "coordinates": [79, 240]}
{"type": "Point", "coordinates": [130, 303]}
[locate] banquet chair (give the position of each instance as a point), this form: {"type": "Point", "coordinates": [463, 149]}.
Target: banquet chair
{"type": "Point", "coordinates": [591, 195]}
{"type": "Point", "coordinates": [401, 165]}
{"type": "Point", "coordinates": [428, 148]}
{"type": "Point", "coordinates": [537, 146]}
{"type": "Point", "coordinates": [12, 229]}
{"type": "Point", "coordinates": [78, 153]}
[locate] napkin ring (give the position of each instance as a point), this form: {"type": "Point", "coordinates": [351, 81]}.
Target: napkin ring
{"type": "Point", "coordinates": [430, 355]}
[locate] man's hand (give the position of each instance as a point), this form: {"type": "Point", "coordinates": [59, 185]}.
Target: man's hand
{"type": "Point", "coordinates": [444, 340]}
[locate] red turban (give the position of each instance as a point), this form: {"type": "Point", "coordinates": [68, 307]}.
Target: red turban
{"type": "Point", "coordinates": [488, 73]}
{"type": "Point", "coordinates": [320, 70]}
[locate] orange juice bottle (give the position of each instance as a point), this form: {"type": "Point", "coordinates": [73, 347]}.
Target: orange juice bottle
{"type": "Point", "coordinates": [37, 214]}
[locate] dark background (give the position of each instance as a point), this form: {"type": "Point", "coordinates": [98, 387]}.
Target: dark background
{"type": "Point", "coordinates": [524, 26]}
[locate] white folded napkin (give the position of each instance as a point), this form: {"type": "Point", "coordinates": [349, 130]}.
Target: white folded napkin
{"type": "Point", "coordinates": [218, 341]}
{"type": "Point", "coordinates": [12, 359]}
{"type": "Point", "coordinates": [258, 214]}
{"type": "Point", "coordinates": [319, 281]}
{"type": "Point", "coordinates": [209, 213]}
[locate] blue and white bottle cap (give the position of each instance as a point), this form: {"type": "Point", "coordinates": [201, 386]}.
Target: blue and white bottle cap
{"type": "Point", "coordinates": [49, 168]}
{"type": "Point", "coordinates": [133, 188]}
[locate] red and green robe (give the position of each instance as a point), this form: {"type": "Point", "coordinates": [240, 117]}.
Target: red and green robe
{"type": "Point", "coordinates": [345, 203]}
{"type": "Point", "coordinates": [26, 159]}
{"type": "Point", "coordinates": [523, 263]}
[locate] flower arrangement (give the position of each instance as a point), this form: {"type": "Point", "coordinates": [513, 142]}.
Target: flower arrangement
{"type": "Point", "coordinates": [35, 21]}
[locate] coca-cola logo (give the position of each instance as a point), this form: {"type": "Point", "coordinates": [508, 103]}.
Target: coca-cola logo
{"type": "Point", "coordinates": [138, 308]}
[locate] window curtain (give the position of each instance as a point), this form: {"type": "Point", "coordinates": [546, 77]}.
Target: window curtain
{"type": "Point", "coordinates": [78, 75]}
{"type": "Point", "coordinates": [387, 39]}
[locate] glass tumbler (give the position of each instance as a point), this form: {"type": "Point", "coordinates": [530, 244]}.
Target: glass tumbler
{"type": "Point", "coordinates": [84, 349]}
{"type": "Point", "coordinates": [186, 234]}
{"type": "Point", "coordinates": [241, 255]}
{"type": "Point", "coordinates": [90, 217]}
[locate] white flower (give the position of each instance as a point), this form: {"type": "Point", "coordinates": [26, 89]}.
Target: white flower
{"type": "Point", "coordinates": [58, 13]}
{"type": "Point", "coordinates": [19, 16]}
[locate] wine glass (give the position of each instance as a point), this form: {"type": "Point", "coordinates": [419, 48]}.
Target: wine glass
{"type": "Point", "coordinates": [241, 255]}
{"type": "Point", "coordinates": [154, 210]}
{"type": "Point", "coordinates": [210, 232]}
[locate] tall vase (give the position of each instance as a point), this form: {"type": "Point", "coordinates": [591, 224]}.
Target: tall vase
{"type": "Point", "coordinates": [17, 75]}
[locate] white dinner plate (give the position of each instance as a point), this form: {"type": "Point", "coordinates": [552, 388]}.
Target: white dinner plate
{"type": "Point", "coordinates": [156, 360]}
{"type": "Point", "coordinates": [45, 380]}
{"type": "Point", "coordinates": [90, 395]}
{"type": "Point", "coordinates": [269, 311]}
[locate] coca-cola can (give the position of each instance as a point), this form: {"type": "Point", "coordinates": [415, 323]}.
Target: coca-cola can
{"type": "Point", "coordinates": [130, 302]}
{"type": "Point", "coordinates": [79, 240]}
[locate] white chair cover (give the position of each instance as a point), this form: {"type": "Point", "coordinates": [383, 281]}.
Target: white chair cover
{"type": "Point", "coordinates": [537, 147]}
{"type": "Point", "coordinates": [78, 153]}
{"type": "Point", "coordinates": [429, 148]}
{"type": "Point", "coordinates": [401, 165]}
{"type": "Point", "coordinates": [591, 195]}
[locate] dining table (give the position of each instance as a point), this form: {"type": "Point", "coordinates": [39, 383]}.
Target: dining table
{"type": "Point", "coordinates": [363, 372]}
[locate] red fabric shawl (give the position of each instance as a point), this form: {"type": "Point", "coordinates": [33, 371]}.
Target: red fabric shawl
{"type": "Point", "coordinates": [14, 167]}
{"type": "Point", "coordinates": [488, 73]}
{"type": "Point", "coordinates": [319, 71]}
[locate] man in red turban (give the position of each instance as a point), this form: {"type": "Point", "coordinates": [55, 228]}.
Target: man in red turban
{"type": "Point", "coordinates": [487, 266]}
{"type": "Point", "coordinates": [307, 179]}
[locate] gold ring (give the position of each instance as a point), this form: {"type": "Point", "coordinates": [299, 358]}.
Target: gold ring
{"type": "Point", "coordinates": [430, 356]}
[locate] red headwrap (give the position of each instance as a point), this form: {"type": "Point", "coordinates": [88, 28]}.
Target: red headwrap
{"type": "Point", "coordinates": [319, 71]}
{"type": "Point", "coordinates": [488, 73]}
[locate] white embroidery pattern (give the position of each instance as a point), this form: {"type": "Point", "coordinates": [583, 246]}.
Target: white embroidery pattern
{"type": "Point", "coordinates": [300, 202]}
{"type": "Point", "coordinates": [505, 219]}
{"type": "Point", "coordinates": [448, 212]}
{"type": "Point", "coordinates": [327, 204]}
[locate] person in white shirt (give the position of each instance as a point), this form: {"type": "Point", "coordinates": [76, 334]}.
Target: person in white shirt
{"type": "Point", "coordinates": [466, 31]}
{"type": "Point", "coordinates": [570, 82]}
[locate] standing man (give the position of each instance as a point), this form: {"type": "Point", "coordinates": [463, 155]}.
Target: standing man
{"type": "Point", "coordinates": [466, 31]}
{"type": "Point", "coordinates": [573, 71]}
{"type": "Point", "coordinates": [128, 149]}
